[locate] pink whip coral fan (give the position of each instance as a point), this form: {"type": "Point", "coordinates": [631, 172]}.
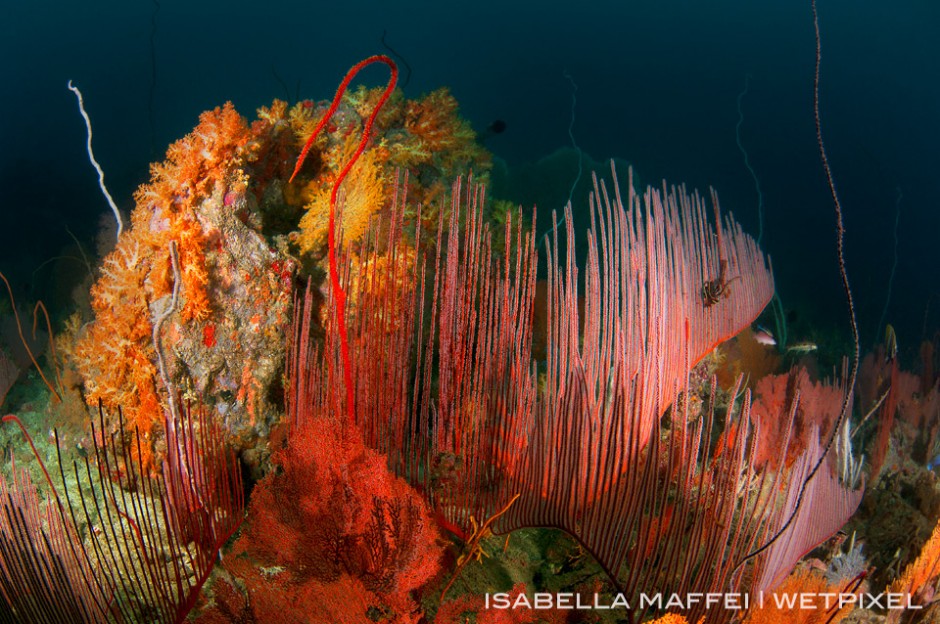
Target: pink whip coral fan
{"type": "Point", "coordinates": [582, 441]}
{"type": "Point", "coordinates": [473, 424]}
{"type": "Point", "coordinates": [121, 545]}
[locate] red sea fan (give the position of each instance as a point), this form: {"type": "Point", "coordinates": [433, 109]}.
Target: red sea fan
{"type": "Point", "coordinates": [333, 510]}
{"type": "Point", "coordinates": [817, 407]}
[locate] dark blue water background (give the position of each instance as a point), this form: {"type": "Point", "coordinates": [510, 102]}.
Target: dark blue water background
{"type": "Point", "coordinates": [658, 84]}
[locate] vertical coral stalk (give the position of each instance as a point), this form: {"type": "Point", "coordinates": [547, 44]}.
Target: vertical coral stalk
{"type": "Point", "coordinates": [339, 295]}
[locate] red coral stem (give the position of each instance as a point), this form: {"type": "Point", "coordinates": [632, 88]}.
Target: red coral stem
{"type": "Point", "coordinates": [338, 293]}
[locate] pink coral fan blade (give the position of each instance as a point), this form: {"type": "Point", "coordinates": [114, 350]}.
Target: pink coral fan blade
{"type": "Point", "coordinates": [146, 554]}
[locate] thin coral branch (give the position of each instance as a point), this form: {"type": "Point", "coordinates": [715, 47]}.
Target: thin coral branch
{"type": "Point", "coordinates": [52, 356]}
{"type": "Point", "coordinates": [874, 408]}
{"type": "Point", "coordinates": [844, 412]}
{"type": "Point", "coordinates": [473, 550]}
{"type": "Point", "coordinates": [91, 157]}
{"type": "Point", "coordinates": [19, 328]}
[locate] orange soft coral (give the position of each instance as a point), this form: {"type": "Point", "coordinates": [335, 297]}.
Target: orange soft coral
{"type": "Point", "coordinates": [436, 130]}
{"type": "Point", "coordinates": [920, 578]}
{"type": "Point", "coordinates": [784, 605]}
{"type": "Point", "coordinates": [195, 166]}
{"type": "Point", "coordinates": [114, 354]}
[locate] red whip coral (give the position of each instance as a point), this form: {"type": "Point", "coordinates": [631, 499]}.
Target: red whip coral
{"type": "Point", "coordinates": [425, 136]}
{"type": "Point", "coordinates": [339, 295]}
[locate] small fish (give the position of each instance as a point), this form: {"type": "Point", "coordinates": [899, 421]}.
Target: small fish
{"type": "Point", "coordinates": [497, 127]}
{"type": "Point", "coordinates": [891, 344]}
{"type": "Point", "coordinates": [764, 337]}
{"type": "Point", "coordinates": [799, 348]}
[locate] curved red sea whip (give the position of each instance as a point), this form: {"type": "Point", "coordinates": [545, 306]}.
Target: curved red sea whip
{"type": "Point", "coordinates": [338, 294]}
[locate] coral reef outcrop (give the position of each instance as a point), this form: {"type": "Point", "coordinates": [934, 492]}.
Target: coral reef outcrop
{"type": "Point", "coordinates": [243, 234]}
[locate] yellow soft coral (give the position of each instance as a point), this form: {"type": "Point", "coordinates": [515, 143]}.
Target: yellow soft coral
{"type": "Point", "coordinates": [274, 114]}
{"type": "Point", "coordinates": [363, 193]}
{"type": "Point", "coordinates": [383, 277]}
{"type": "Point", "coordinates": [426, 137]}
